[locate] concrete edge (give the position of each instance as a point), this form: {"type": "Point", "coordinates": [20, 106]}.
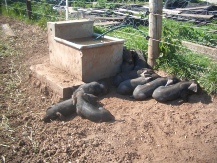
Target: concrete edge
{"type": "Point", "coordinates": [59, 91]}
{"type": "Point", "coordinates": [212, 52]}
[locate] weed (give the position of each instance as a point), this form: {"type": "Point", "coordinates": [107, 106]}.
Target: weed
{"type": "Point", "coordinates": [188, 31]}
{"type": "Point", "coordinates": [209, 79]}
{"type": "Point", "coordinates": [177, 60]}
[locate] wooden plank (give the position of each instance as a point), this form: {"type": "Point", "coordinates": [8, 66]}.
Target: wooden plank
{"type": "Point", "coordinates": [106, 23]}
{"type": "Point", "coordinates": [119, 13]}
{"type": "Point", "coordinates": [212, 52]}
{"type": "Point", "coordinates": [168, 11]}
{"type": "Point", "coordinates": [195, 16]}
{"type": "Point", "coordinates": [180, 10]}
{"type": "Point", "coordinates": [99, 11]}
{"type": "Point", "coordinates": [212, 31]}
{"type": "Point", "coordinates": [129, 11]}
{"type": "Point", "coordinates": [192, 8]}
{"type": "Point", "coordinates": [145, 7]}
{"type": "Point", "coordinates": [110, 18]}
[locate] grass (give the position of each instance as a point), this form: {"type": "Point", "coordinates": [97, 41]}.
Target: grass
{"type": "Point", "coordinates": [134, 38]}
{"type": "Point", "coordinates": [190, 32]}
{"type": "Point", "coordinates": [41, 13]}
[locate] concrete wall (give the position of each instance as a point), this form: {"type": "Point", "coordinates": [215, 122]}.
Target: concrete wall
{"type": "Point", "coordinates": [85, 62]}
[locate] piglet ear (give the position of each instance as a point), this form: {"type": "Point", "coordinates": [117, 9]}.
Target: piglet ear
{"type": "Point", "coordinates": [169, 81]}
{"type": "Point", "coordinates": [193, 87]}
{"type": "Point", "coordinates": [145, 75]}
{"type": "Point", "coordinates": [148, 78]}
{"type": "Point", "coordinates": [58, 114]}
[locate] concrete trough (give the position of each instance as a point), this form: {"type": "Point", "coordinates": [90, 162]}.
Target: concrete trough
{"type": "Point", "coordinates": [73, 48]}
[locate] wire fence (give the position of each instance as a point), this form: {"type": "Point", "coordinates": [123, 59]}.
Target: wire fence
{"type": "Point", "coordinates": [199, 27]}
{"type": "Point", "coordinates": [124, 12]}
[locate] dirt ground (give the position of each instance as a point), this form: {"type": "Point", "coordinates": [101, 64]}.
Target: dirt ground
{"type": "Point", "coordinates": [144, 131]}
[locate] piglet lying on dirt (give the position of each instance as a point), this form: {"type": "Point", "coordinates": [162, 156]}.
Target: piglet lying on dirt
{"type": "Point", "coordinates": [64, 108]}
{"type": "Point", "coordinates": [142, 92]}
{"type": "Point", "coordinates": [127, 86]}
{"type": "Point", "coordinates": [68, 107]}
{"type": "Point", "coordinates": [172, 92]}
{"type": "Point", "coordinates": [131, 75]}
{"type": "Point", "coordinates": [87, 109]}
{"type": "Point", "coordinates": [94, 88]}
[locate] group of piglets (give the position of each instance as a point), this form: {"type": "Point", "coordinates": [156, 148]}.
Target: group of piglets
{"type": "Point", "coordinates": [138, 80]}
{"type": "Point", "coordinates": [84, 103]}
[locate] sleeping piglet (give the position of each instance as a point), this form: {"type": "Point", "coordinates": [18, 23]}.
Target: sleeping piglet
{"type": "Point", "coordinates": [131, 75]}
{"type": "Point", "coordinates": [126, 87]}
{"type": "Point", "coordinates": [89, 109]}
{"type": "Point", "coordinates": [64, 108]}
{"type": "Point", "coordinates": [142, 92]}
{"type": "Point", "coordinates": [172, 92]}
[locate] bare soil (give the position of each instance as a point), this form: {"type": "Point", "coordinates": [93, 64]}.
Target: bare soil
{"type": "Point", "coordinates": [144, 131]}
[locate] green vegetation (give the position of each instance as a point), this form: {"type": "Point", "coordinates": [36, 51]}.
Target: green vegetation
{"type": "Point", "coordinates": [41, 13]}
{"type": "Point", "coordinates": [79, 3]}
{"type": "Point", "coordinates": [189, 32]}
{"type": "Point", "coordinates": [177, 60]}
{"type": "Point", "coordinates": [134, 38]}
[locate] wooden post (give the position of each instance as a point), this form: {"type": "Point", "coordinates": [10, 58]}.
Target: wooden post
{"type": "Point", "coordinates": [155, 29]}
{"type": "Point", "coordinates": [67, 10]}
{"type": "Point", "coordinates": [29, 8]}
{"type": "Point", "coordinates": [6, 5]}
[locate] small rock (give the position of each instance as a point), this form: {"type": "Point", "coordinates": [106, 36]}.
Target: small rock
{"type": "Point", "coordinates": [22, 143]}
{"type": "Point", "coordinates": [45, 90]}
{"type": "Point", "coordinates": [25, 133]}
{"type": "Point", "coordinates": [95, 144]}
{"type": "Point", "coordinates": [26, 118]}
{"type": "Point", "coordinates": [37, 84]}
{"type": "Point", "coordinates": [43, 98]}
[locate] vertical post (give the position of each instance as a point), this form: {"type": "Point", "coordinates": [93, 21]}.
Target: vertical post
{"type": "Point", "coordinates": [155, 29]}
{"type": "Point", "coordinates": [67, 10]}
{"type": "Point", "coordinates": [29, 8]}
{"type": "Point", "coordinates": [6, 5]}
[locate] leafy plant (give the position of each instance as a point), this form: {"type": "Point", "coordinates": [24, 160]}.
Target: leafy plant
{"type": "Point", "coordinates": [183, 63]}
{"type": "Point", "coordinates": [190, 32]}
{"type": "Point", "coordinates": [168, 45]}
{"type": "Point", "coordinates": [79, 3]}
{"type": "Point", "coordinates": [209, 79]}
